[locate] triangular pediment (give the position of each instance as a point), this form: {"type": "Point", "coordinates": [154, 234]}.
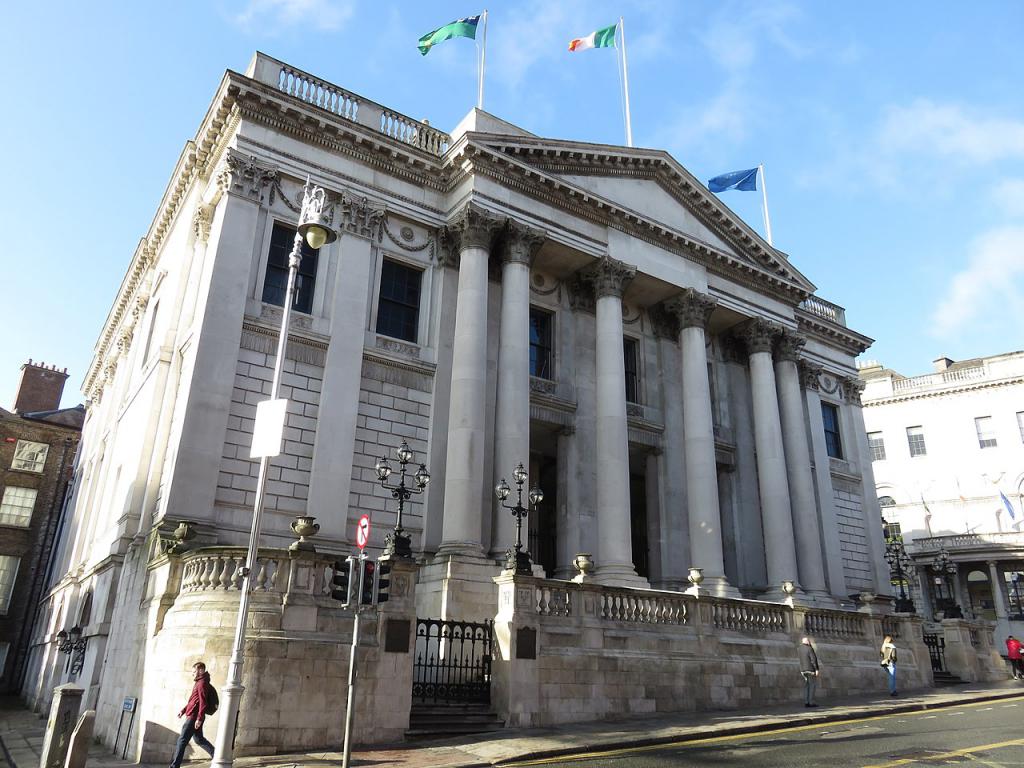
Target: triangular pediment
{"type": "Point", "coordinates": [649, 186]}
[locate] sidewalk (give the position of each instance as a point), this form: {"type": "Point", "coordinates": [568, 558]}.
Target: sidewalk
{"type": "Point", "coordinates": [22, 733]}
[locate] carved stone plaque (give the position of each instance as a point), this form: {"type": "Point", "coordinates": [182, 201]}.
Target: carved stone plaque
{"type": "Point", "coordinates": [396, 636]}
{"type": "Point", "coordinates": [526, 643]}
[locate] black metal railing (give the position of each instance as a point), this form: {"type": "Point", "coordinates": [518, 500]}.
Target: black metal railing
{"type": "Point", "coordinates": [936, 651]}
{"type": "Point", "coordinates": [453, 662]}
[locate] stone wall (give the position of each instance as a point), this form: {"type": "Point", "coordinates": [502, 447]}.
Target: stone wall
{"type": "Point", "coordinates": [852, 536]}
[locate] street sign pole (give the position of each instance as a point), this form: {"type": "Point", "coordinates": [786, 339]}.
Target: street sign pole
{"type": "Point", "coordinates": [362, 537]}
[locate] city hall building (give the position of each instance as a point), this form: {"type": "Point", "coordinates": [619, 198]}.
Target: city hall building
{"type": "Point", "coordinates": [668, 379]}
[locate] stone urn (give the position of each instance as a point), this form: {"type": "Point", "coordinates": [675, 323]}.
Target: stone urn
{"type": "Point", "coordinates": [184, 533]}
{"type": "Point", "coordinates": [305, 528]}
{"type": "Point", "coordinates": [584, 564]}
{"type": "Point", "coordinates": [695, 576]}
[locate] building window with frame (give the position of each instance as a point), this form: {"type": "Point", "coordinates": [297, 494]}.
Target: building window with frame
{"type": "Point", "coordinates": [631, 357]}
{"type": "Point", "coordinates": [833, 440]}
{"type": "Point", "coordinates": [877, 446]}
{"type": "Point", "coordinates": [16, 506]}
{"type": "Point", "coordinates": [149, 332]}
{"type": "Point", "coordinates": [29, 456]}
{"type": "Point", "coordinates": [986, 434]}
{"type": "Point", "coordinates": [398, 305]}
{"type": "Point", "coordinates": [275, 282]}
{"type": "Point", "coordinates": [541, 353]}
{"type": "Point", "coordinates": [915, 441]}
{"type": "Point", "coordinates": [8, 575]}
{"type": "Point", "coordinates": [1020, 424]}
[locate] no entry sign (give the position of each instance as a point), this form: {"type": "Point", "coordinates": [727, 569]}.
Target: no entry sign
{"type": "Point", "coordinates": [363, 531]}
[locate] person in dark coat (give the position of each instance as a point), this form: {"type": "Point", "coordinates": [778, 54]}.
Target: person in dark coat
{"type": "Point", "coordinates": [809, 668]}
{"type": "Point", "coordinates": [194, 713]}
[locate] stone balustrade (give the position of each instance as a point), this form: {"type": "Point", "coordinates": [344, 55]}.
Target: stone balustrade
{"type": "Point", "coordinates": [217, 569]}
{"type": "Point", "coordinates": [826, 310]}
{"type": "Point", "coordinates": [842, 624]}
{"type": "Point", "coordinates": [967, 542]}
{"type": "Point", "coordinates": [945, 378]}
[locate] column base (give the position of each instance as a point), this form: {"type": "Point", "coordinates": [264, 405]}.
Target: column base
{"type": "Point", "coordinates": [776, 595]}
{"type": "Point", "coordinates": [715, 586]}
{"type": "Point", "coordinates": [467, 548]}
{"type": "Point", "coordinates": [459, 586]}
{"type": "Point", "coordinates": [619, 576]}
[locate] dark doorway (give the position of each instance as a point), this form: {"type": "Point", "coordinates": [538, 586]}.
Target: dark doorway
{"type": "Point", "coordinates": [638, 520]}
{"type": "Point", "coordinates": [543, 523]}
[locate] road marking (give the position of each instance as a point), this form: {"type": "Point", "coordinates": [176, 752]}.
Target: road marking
{"type": "Point", "coordinates": [954, 753]}
{"type": "Point", "coordinates": [731, 737]}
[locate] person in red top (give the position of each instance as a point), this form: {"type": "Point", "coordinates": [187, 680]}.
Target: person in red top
{"type": "Point", "coordinates": [1013, 648]}
{"type": "Point", "coordinates": [194, 713]}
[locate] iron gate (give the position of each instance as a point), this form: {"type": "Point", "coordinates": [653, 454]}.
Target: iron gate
{"type": "Point", "coordinates": [936, 651]}
{"type": "Point", "coordinates": [453, 662]}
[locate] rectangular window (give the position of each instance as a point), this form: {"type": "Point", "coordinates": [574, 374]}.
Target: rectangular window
{"type": "Point", "coordinates": [915, 439]}
{"type": "Point", "coordinates": [8, 574]}
{"type": "Point", "coordinates": [149, 333]}
{"type": "Point", "coordinates": [877, 446]}
{"type": "Point", "coordinates": [833, 440]}
{"type": "Point", "coordinates": [540, 344]}
{"type": "Point", "coordinates": [275, 282]}
{"type": "Point", "coordinates": [16, 506]}
{"type": "Point", "coordinates": [986, 434]}
{"type": "Point", "coordinates": [892, 531]}
{"type": "Point", "coordinates": [29, 456]}
{"type": "Point", "coordinates": [630, 352]}
{"type": "Point", "coordinates": [398, 308]}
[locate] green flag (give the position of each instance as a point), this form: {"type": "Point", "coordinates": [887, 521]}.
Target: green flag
{"type": "Point", "coordinates": [460, 28]}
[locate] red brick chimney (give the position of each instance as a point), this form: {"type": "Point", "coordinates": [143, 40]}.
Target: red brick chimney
{"type": "Point", "coordinates": [40, 388]}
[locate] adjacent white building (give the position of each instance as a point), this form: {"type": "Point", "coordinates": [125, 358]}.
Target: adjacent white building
{"type": "Point", "coordinates": [948, 459]}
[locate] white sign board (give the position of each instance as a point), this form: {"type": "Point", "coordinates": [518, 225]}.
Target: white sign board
{"type": "Point", "coordinates": [363, 531]}
{"type": "Point", "coordinates": [269, 428]}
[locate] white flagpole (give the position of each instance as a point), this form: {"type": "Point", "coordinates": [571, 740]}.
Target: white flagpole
{"type": "Point", "coordinates": [483, 66]}
{"type": "Point", "coordinates": [764, 197]}
{"type": "Point", "coordinates": [625, 83]}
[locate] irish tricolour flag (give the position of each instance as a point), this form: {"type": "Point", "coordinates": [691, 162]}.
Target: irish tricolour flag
{"type": "Point", "coordinates": [602, 38]}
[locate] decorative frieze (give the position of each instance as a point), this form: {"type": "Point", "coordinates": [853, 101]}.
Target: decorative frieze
{"type": "Point", "coordinates": [543, 386]}
{"type": "Point", "coordinates": [809, 373]}
{"type": "Point", "coordinates": [759, 335]}
{"type": "Point", "coordinates": [691, 308]}
{"type": "Point", "coordinates": [581, 295]}
{"type": "Point", "coordinates": [244, 175]}
{"type": "Point", "coordinates": [788, 346]}
{"type": "Point", "coordinates": [608, 277]}
{"type": "Point", "coordinates": [474, 227]}
{"type": "Point", "coordinates": [398, 347]}
{"type": "Point", "coordinates": [358, 216]}
{"type": "Point", "coordinates": [521, 243]}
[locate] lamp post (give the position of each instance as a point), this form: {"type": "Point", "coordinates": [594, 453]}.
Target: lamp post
{"type": "Point", "coordinates": [397, 543]}
{"type": "Point", "coordinates": [517, 560]}
{"type": "Point", "coordinates": [1015, 580]}
{"type": "Point", "coordinates": [73, 644]}
{"type": "Point", "coordinates": [944, 568]}
{"type": "Point", "coordinates": [899, 568]}
{"type": "Point", "coordinates": [313, 228]}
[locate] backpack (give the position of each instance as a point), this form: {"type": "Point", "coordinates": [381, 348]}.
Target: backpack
{"type": "Point", "coordinates": [212, 699]}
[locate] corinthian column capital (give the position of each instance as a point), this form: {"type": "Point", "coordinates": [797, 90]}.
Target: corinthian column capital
{"type": "Point", "coordinates": [788, 346]}
{"type": "Point", "coordinates": [759, 335]}
{"type": "Point", "coordinates": [474, 227]}
{"type": "Point", "coordinates": [692, 308]}
{"type": "Point", "coordinates": [244, 175]}
{"type": "Point", "coordinates": [809, 373]}
{"type": "Point", "coordinates": [608, 277]}
{"type": "Point", "coordinates": [521, 243]}
{"type": "Point", "coordinates": [852, 388]}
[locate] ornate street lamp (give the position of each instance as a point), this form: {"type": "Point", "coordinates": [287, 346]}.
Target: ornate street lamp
{"type": "Point", "coordinates": [315, 230]}
{"type": "Point", "coordinates": [1015, 580]}
{"type": "Point", "coordinates": [71, 641]}
{"type": "Point", "coordinates": [517, 560]}
{"type": "Point", "coordinates": [397, 543]}
{"type": "Point", "coordinates": [944, 568]}
{"type": "Point", "coordinates": [900, 564]}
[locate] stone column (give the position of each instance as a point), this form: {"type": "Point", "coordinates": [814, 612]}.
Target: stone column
{"type": "Point", "coordinates": [568, 537]}
{"type": "Point", "coordinates": [998, 595]}
{"type": "Point", "coordinates": [776, 513]}
{"type": "Point", "coordinates": [798, 465]}
{"type": "Point", "coordinates": [693, 309]}
{"type": "Point", "coordinates": [462, 530]}
{"type": "Point", "coordinates": [614, 545]}
{"type": "Point", "coordinates": [512, 419]}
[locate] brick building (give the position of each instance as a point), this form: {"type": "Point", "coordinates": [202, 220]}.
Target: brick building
{"type": "Point", "coordinates": [38, 441]}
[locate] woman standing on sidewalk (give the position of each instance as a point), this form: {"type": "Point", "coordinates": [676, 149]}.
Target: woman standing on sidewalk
{"type": "Point", "coordinates": [887, 658]}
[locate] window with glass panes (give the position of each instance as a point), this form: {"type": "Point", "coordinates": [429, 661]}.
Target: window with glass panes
{"type": "Point", "coordinates": [540, 344]}
{"type": "Point", "coordinates": [29, 456]}
{"type": "Point", "coordinates": [8, 575]}
{"type": "Point", "coordinates": [630, 353]}
{"type": "Point", "coordinates": [915, 441]}
{"type": "Point", "coordinates": [877, 446]}
{"type": "Point", "coordinates": [275, 283]}
{"type": "Point", "coordinates": [833, 440]}
{"type": "Point", "coordinates": [16, 506]}
{"type": "Point", "coordinates": [986, 433]}
{"type": "Point", "coordinates": [398, 306]}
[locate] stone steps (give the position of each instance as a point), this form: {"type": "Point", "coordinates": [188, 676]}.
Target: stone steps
{"type": "Point", "coordinates": [451, 720]}
{"type": "Point", "coordinates": [945, 678]}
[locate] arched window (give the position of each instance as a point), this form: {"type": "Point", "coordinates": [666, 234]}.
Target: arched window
{"type": "Point", "coordinates": [886, 501]}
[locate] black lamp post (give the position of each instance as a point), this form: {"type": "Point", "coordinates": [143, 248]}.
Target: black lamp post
{"type": "Point", "coordinates": [1015, 580]}
{"type": "Point", "coordinates": [944, 568]}
{"type": "Point", "coordinates": [72, 641]}
{"type": "Point", "coordinates": [900, 564]}
{"type": "Point", "coordinates": [397, 543]}
{"type": "Point", "coordinates": [517, 559]}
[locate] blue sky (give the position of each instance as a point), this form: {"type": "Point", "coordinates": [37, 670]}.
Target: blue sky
{"type": "Point", "coordinates": [892, 135]}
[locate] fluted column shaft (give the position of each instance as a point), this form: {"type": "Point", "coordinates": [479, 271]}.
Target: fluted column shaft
{"type": "Point", "coordinates": [798, 464]}
{"type": "Point", "coordinates": [998, 585]}
{"type": "Point", "coordinates": [464, 505]}
{"type": "Point", "coordinates": [512, 419]}
{"type": "Point", "coordinates": [776, 514]}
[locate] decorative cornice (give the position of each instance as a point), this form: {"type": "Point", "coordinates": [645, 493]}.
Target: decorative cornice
{"type": "Point", "coordinates": [608, 277]}
{"type": "Point", "coordinates": [788, 346]}
{"type": "Point", "coordinates": [521, 243]}
{"type": "Point", "coordinates": [759, 335]}
{"type": "Point", "coordinates": [943, 392]}
{"type": "Point", "coordinates": [474, 227]}
{"type": "Point", "coordinates": [691, 308]}
{"type": "Point", "coordinates": [244, 175]}
{"type": "Point", "coordinates": [832, 333]}
{"type": "Point", "coordinates": [809, 373]}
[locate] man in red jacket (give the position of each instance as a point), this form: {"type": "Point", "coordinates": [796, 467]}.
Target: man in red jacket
{"type": "Point", "coordinates": [194, 713]}
{"type": "Point", "coordinates": [1013, 651]}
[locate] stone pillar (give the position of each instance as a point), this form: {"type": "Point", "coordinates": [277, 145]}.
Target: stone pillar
{"type": "Point", "coordinates": [998, 595]}
{"type": "Point", "coordinates": [568, 539]}
{"type": "Point", "coordinates": [693, 310]}
{"type": "Point", "coordinates": [462, 530]}
{"type": "Point", "coordinates": [798, 465]}
{"type": "Point", "coordinates": [512, 419]}
{"type": "Point", "coordinates": [67, 699]}
{"type": "Point", "coordinates": [614, 544]}
{"type": "Point", "coordinates": [776, 514]}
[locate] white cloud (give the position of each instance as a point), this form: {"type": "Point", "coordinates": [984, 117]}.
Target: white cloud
{"type": "Point", "coordinates": [734, 36]}
{"type": "Point", "coordinates": [1008, 195]}
{"type": "Point", "coordinates": [530, 34]}
{"type": "Point", "coordinates": [990, 290]}
{"type": "Point", "coordinates": [324, 15]}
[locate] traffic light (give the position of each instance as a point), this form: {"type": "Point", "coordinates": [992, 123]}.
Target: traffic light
{"type": "Point", "coordinates": [383, 582]}
{"type": "Point", "coordinates": [366, 584]}
{"type": "Point", "coordinates": [343, 585]}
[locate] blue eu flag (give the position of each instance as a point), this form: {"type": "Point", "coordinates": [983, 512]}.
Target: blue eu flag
{"type": "Point", "coordinates": [745, 181]}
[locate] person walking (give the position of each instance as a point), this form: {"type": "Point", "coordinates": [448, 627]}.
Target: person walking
{"type": "Point", "coordinates": [809, 668]}
{"type": "Point", "coordinates": [1013, 652]}
{"type": "Point", "coordinates": [887, 658]}
{"type": "Point", "coordinates": [195, 711]}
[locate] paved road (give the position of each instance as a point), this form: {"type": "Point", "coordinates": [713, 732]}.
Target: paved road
{"type": "Point", "coordinates": [987, 734]}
